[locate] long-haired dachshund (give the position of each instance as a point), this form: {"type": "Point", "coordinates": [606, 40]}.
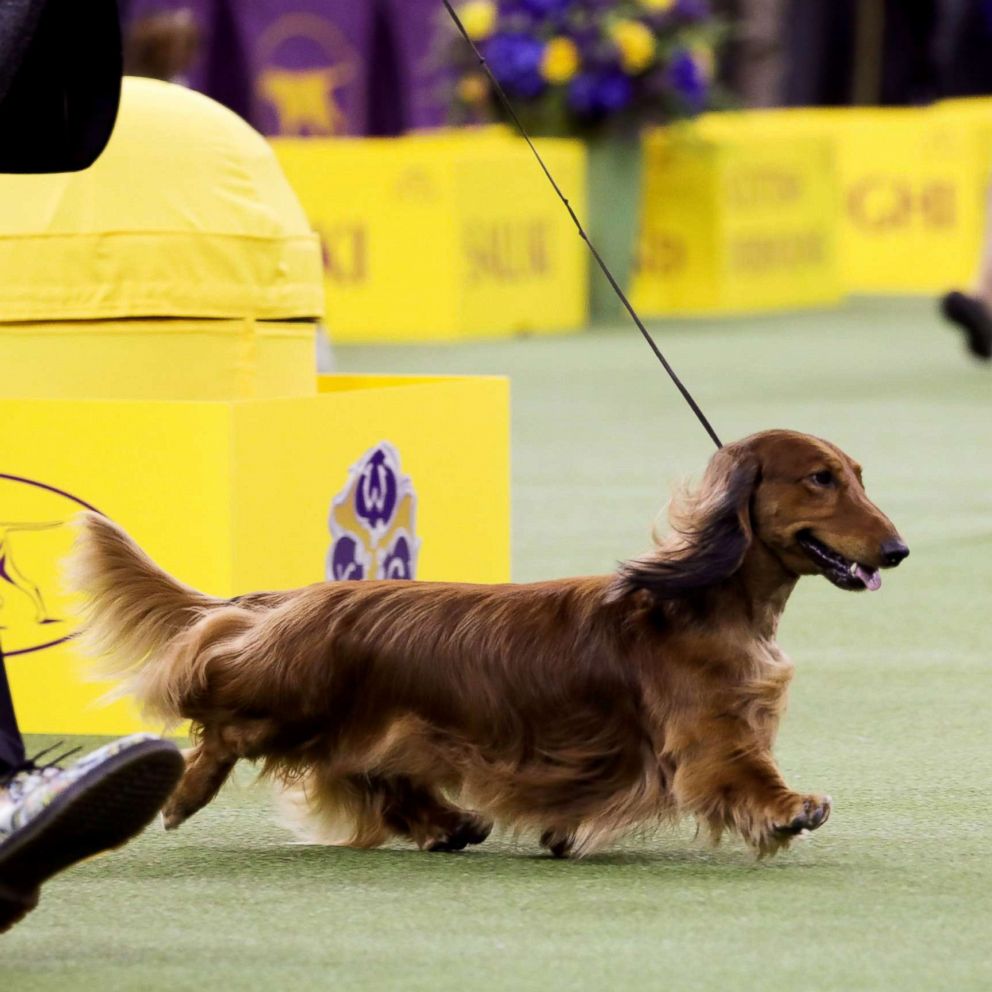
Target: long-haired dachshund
{"type": "Point", "coordinates": [581, 707]}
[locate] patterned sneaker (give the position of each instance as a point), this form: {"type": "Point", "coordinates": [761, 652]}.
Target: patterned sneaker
{"type": "Point", "coordinates": [52, 817]}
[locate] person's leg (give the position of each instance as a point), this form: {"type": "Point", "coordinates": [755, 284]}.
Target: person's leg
{"type": "Point", "coordinates": [759, 72]}
{"type": "Point", "coordinates": [972, 311]}
{"type": "Point", "coordinates": [11, 744]}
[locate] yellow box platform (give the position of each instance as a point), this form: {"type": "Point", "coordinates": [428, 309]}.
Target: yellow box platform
{"type": "Point", "coordinates": [440, 238]}
{"type": "Point", "coordinates": [736, 220]}
{"type": "Point", "coordinates": [375, 476]}
{"type": "Point", "coordinates": [156, 337]}
{"type": "Point", "coordinates": [179, 359]}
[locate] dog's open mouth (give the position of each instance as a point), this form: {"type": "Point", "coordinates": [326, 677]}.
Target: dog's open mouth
{"type": "Point", "coordinates": [845, 574]}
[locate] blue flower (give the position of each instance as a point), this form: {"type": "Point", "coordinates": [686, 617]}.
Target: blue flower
{"type": "Point", "coordinates": [692, 10]}
{"type": "Point", "coordinates": [539, 8]}
{"type": "Point", "coordinates": [515, 60]}
{"type": "Point", "coordinates": [688, 80]}
{"type": "Point", "coordinates": [596, 94]}
{"type": "Point", "coordinates": [615, 91]}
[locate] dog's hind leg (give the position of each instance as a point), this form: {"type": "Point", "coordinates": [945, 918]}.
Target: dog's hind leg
{"type": "Point", "coordinates": [207, 769]}
{"type": "Point", "coordinates": [367, 810]}
{"type": "Point", "coordinates": [422, 815]}
{"type": "Point", "coordinates": [559, 843]}
{"type": "Point", "coordinates": [210, 762]}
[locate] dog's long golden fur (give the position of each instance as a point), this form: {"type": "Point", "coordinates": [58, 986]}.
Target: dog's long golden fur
{"type": "Point", "coordinates": [581, 707]}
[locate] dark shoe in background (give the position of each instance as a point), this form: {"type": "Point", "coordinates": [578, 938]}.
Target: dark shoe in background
{"type": "Point", "coordinates": [974, 318]}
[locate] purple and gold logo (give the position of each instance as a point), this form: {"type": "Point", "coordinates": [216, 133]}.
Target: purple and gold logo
{"type": "Point", "coordinates": [373, 521]}
{"type": "Point", "coordinates": [308, 66]}
{"type": "Point", "coordinates": [33, 539]}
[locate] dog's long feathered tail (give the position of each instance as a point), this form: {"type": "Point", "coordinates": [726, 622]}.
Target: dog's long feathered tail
{"type": "Point", "coordinates": [140, 624]}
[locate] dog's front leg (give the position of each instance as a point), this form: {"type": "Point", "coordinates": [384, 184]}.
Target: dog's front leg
{"type": "Point", "coordinates": [730, 782]}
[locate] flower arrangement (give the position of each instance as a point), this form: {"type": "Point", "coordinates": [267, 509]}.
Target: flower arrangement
{"type": "Point", "coordinates": [575, 66]}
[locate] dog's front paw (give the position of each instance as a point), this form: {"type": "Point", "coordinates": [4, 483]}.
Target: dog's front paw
{"type": "Point", "coordinates": [779, 825]}
{"type": "Point", "coordinates": [812, 812]}
{"type": "Point", "coordinates": [471, 829]}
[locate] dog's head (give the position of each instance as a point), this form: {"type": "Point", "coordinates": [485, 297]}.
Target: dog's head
{"type": "Point", "coordinates": [810, 508]}
{"type": "Point", "coordinates": [801, 497]}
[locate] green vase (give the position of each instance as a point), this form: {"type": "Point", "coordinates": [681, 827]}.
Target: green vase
{"type": "Point", "coordinates": [616, 166]}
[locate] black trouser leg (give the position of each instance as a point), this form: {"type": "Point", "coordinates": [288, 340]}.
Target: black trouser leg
{"type": "Point", "coordinates": [11, 744]}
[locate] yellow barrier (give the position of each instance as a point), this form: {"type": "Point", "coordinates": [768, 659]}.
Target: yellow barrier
{"type": "Point", "coordinates": [736, 219]}
{"type": "Point", "coordinates": [912, 189]}
{"type": "Point", "coordinates": [913, 185]}
{"type": "Point", "coordinates": [375, 475]}
{"type": "Point", "coordinates": [443, 237]}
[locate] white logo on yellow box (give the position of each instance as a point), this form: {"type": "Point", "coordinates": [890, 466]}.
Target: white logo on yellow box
{"type": "Point", "coordinates": [373, 521]}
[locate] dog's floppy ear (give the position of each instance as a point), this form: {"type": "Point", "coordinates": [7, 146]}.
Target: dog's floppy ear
{"type": "Point", "coordinates": [711, 531]}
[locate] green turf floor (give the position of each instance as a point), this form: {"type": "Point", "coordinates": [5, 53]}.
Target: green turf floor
{"type": "Point", "coordinates": [890, 714]}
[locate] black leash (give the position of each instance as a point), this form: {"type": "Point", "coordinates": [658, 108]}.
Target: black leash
{"type": "Point", "coordinates": [505, 100]}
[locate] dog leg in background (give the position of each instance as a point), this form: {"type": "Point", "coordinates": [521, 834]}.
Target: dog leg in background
{"type": "Point", "coordinates": [559, 843]}
{"type": "Point", "coordinates": [368, 809]}
{"type": "Point", "coordinates": [396, 806]}
{"type": "Point", "coordinates": [732, 783]}
{"type": "Point", "coordinates": [419, 813]}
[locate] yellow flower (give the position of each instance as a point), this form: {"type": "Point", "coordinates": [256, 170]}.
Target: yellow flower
{"type": "Point", "coordinates": [561, 60]}
{"type": "Point", "coordinates": [479, 18]}
{"type": "Point", "coordinates": [473, 88]}
{"type": "Point", "coordinates": [636, 43]}
{"type": "Point", "coordinates": [658, 6]}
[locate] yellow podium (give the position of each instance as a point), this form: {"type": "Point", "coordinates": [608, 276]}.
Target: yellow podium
{"type": "Point", "coordinates": [736, 218]}
{"type": "Point", "coordinates": [443, 237]}
{"type": "Point", "coordinates": [157, 350]}
{"type": "Point", "coordinates": [391, 477]}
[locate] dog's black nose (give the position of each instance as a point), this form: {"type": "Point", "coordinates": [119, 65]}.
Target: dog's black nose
{"type": "Point", "coordinates": [893, 552]}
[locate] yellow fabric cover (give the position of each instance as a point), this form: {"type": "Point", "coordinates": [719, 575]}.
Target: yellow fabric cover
{"type": "Point", "coordinates": [186, 214]}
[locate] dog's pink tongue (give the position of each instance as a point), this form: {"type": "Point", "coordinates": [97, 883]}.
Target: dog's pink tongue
{"type": "Point", "coordinates": [871, 577]}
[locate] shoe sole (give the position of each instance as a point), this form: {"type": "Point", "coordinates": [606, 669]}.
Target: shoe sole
{"type": "Point", "coordinates": [108, 806]}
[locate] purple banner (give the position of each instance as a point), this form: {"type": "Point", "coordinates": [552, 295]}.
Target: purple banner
{"type": "Point", "coordinates": [412, 26]}
{"type": "Point", "coordinates": [310, 65]}
{"type": "Point", "coordinates": [297, 67]}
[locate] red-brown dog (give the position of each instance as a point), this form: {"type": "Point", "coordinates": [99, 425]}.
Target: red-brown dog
{"type": "Point", "coordinates": [580, 707]}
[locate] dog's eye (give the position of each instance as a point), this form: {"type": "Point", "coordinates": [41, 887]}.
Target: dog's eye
{"type": "Point", "coordinates": [823, 478]}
